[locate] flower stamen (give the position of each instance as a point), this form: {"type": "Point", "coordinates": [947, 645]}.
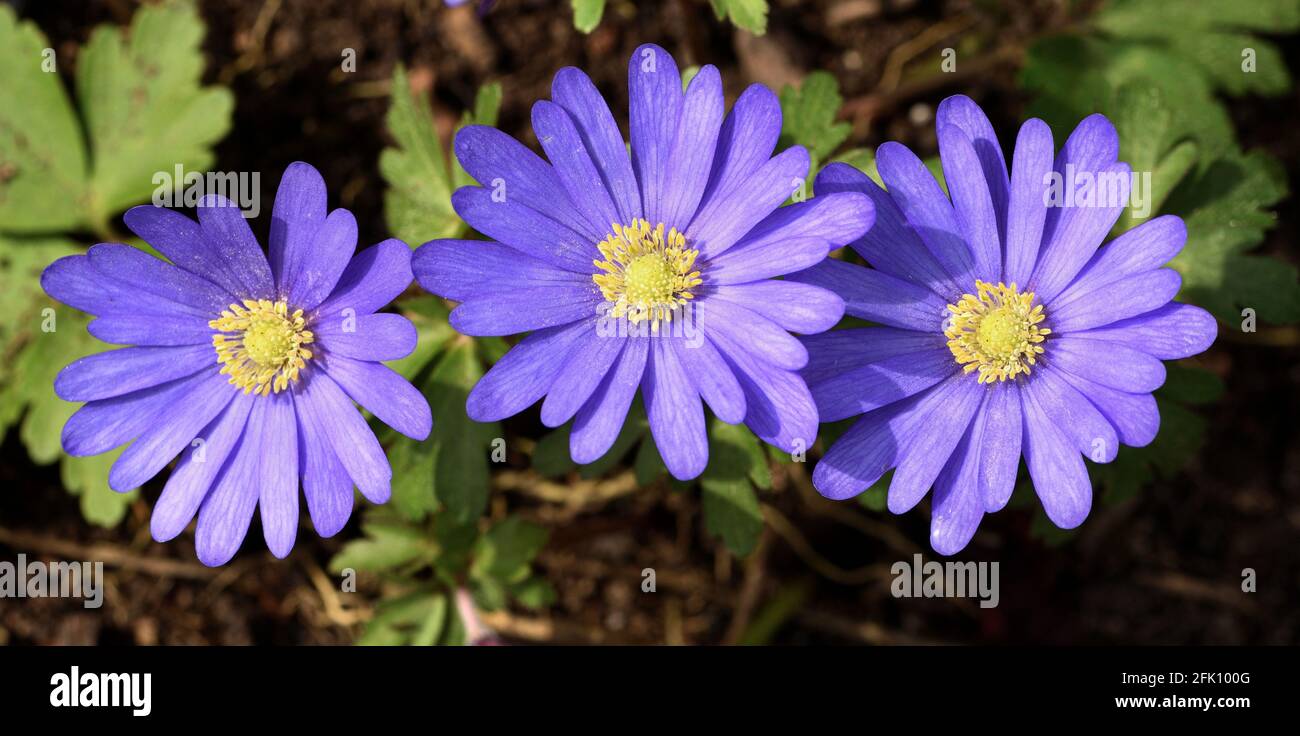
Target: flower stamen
{"type": "Point", "coordinates": [996, 332]}
{"type": "Point", "coordinates": [259, 344]}
{"type": "Point", "coordinates": [646, 274]}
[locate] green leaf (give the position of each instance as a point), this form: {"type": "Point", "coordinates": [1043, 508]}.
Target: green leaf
{"type": "Point", "coordinates": [87, 477]}
{"type": "Point", "coordinates": [454, 634]}
{"type": "Point", "coordinates": [491, 349]}
{"type": "Point", "coordinates": [1144, 123]}
{"type": "Point", "coordinates": [29, 393]}
{"type": "Point", "coordinates": [1226, 209]}
{"type": "Point", "coordinates": [1123, 478]}
{"type": "Point", "coordinates": [416, 618]}
{"type": "Point", "coordinates": [552, 459]}
{"type": "Point", "coordinates": [487, 103]}
{"type": "Point", "coordinates": [1144, 17]}
{"type": "Point", "coordinates": [808, 116]}
{"type": "Point", "coordinates": [748, 14]}
{"type": "Point", "coordinates": [144, 113]}
{"type": "Point", "coordinates": [786, 602]}
{"type": "Point", "coordinates": [864, 160]}
{"type": "Point", "coordinates": [377, 634]}
{"type": "Point", "coordinates": [489, 593]}
{"type": "Point", "coordinates": [429, 315]}
{"type": "Point", "coordinates": [420, 178]}
{"type": "Point", "coordinates": [450, 468]}
{"type": "Point", "coordinates": [430, 629]}
{"type": "Point", "coordinates": [736, 464]}
{"type": "Point", "coordinates": [735, 451]}
{"type": "Point", "coordinates": [1175, 164]}
{"type": "Point", "coordinates": [388, 543]}
{"type": "Point", "coordinates": [688, 74]}
{"type": "Point", "coordinates": [42, 155]}
{"type": "Point", "coordinates": [417, 203]}
{"type": "Point", "coordinates": [412, 463]}
{"type": "Point", "coordinates": [551, 454]}
{"type": "Point", "coordinates": [1221, 58]}
{"type": "Point", "coordinates": [830, 432]}
{"type": "Point", "coordinates": [144, 108]}
{"type": "Point", "coordinates": [534, 593]}
{"type": "Point", "coordinates": [32, 382]}
{"type": "Point", "coordinates": [460, 479]}
{"type": "Point", "coordinates": [1186, 383]}
{"type": "Point", "coordinates": [1182, 434]}
{"type": "Point", "coordinates": [731, 511]}
{"type": "Point", "coordinates": [1075, 76]}
{"type": "Point", "coordinates": [505, 552]}
{"type": "Point", "coordinates": [1153, 67]}
{"type": "Point", "coordinates": [587, 14]}
{"type": "Point", "coordinates": [455, 542]}
{"type": "Point", "coordinates": [21, 300]}
{"type": "Point", "coordinates": [634, 429]}
{"type": "Point", "coordinates": [1042, 529]}
{"type": "Point", "coordinates": [935, 165]}
{"type": "Point", "coordinates": [1212, 37]}
{"type": "Point", "coordinates": [648, 466]}
{"type": "Point", "coordinates": [876, 497]}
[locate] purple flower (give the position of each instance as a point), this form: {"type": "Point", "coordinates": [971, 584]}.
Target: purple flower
{"type": "Point", "coordinates": [483, 7]}
{"type": "Point", "coordinates": [1005, 328]}
{"type": "Point", "coordinates": [654, 272]}
{"type": "Point", "coordinates": [246, 368]}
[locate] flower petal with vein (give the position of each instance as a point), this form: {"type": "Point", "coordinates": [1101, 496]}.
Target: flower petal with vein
{"type": "Point", "coordinates": [654, 271]}
{"type": "Point", "coordinates": [245, 366]}
{"type": "Point", "coordinates": [1005, 327]}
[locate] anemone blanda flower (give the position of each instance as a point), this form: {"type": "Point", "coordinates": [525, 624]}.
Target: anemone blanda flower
{"type": "Point", "coordinates": [1005, 329]}
{"type": "Point", "coordinates": [484, 5]}
{"type": "Point", "coordinates": [595, 253]}
{"type": "Point", "coordinates": [246, 367]}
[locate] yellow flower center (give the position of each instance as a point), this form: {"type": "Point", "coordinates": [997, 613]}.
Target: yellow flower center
{"type": "Point", "coordinates": [646, 274]}
{"type": "Point", "coordinates": [996, 332]}
{"type": "Point", "coordinates": [260, 345]}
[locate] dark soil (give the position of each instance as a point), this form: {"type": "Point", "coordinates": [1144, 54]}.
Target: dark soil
{"type": "Point", "coordinates": [1162, 568]}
